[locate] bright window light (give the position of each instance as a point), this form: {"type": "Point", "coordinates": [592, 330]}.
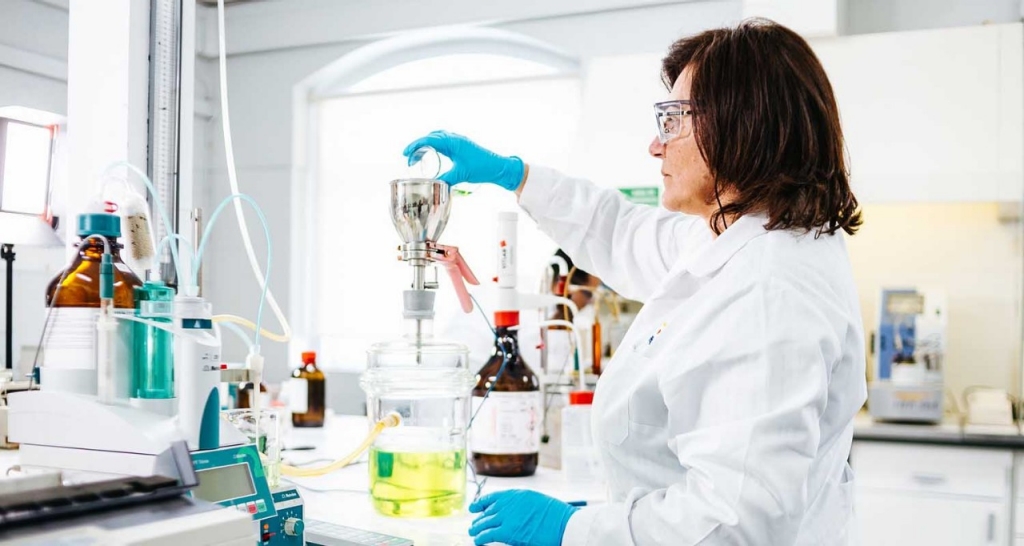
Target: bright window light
{"type": "Point", "coordinates": [26, 168]}
{"type": "Point", "coordinates": [361, 138]}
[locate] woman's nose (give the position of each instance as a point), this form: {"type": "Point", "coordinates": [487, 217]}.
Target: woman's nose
{"type": "Point", "coordinates": [656, 149]}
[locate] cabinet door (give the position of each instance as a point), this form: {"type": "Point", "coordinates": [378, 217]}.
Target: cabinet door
{"type": "Point", "coordinates": [902, 519]}
{"type": "Point", "coordinates": [922, 112]}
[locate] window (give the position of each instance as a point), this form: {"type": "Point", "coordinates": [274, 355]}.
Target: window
{"type": "Point", "coordinates": [507, 104]}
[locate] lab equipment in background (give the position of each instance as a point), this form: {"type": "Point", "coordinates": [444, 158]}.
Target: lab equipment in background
{"type": "Point", "coordinates": [508, 408]}
{"type": "Point", "coordinates": [307, 393]}
{"type": "Point", "coordinates": [150, 510]}
{"type": "Point", "coordinates": [580, 461]}
{"type": "Point", "coordinates": [265, 434]}
{"type": "Point", "coordinates": [73, 299]}
{"type": "Point", "coordinates": [988, 408]}
{"type": "Point", "coordinates": [909, 349]}
{"type": "Point", "coordinates": [153, 377]}
{"type": "Point", "coordinates": [234, 478]}
{"type": "Point", "coordinates": [419, 469]}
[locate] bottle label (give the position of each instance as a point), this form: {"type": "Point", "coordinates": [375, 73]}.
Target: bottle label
{"type": "Point", "coordinates": [507, 423]}
{"type": "Point", "coordinates": [298, 395]}
{"type": "Point", "coordinates": [70, 341]}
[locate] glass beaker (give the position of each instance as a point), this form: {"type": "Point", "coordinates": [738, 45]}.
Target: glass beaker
{"type": "Point", "coordinates": [267, 438]}
{"type": "Point", "coordinates": [419, 468]}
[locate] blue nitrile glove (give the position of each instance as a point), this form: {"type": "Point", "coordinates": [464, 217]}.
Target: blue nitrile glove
{"type": "Point", "coordinates": [470, 161]}
{"type": "Point", "coordinates": [520, 518]}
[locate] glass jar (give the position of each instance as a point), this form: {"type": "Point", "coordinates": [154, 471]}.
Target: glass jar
{"type": "Point", "coordinates": [418, 469]}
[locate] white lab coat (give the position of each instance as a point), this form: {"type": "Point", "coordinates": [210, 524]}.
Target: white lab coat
{"type": "Point", "coordinates": [726, 415]}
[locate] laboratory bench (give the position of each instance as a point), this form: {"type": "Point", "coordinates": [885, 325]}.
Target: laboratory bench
{"type": "Point", "coordinates": [936, 485]}
{"type": "Point", "coordinates": [342, 497]}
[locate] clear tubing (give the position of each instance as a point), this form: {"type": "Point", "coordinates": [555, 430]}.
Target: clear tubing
{"type": "Point", "coordinates": [390, 420]}
{"type": "Point", "coordinates": [159, 206]}
{"type": "Point", "coordinates": [270, 254]}
{"type": "Point", "coordinates": [576, 337]}
{"type": "Point", "coordinates": [235, 329]}
{"type": "Point", "coordinates": [167, 241]}
{"type": "Point", "coordinates": [233, 176]}
{"type": "Point", "coordinates": [246, 323]}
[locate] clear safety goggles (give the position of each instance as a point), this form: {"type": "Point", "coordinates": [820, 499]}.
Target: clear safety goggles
{"type": "Point", "coordinates": [671, 117]}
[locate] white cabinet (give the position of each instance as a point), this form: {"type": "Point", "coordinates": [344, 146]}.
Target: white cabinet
{"type": "Point", "coordinates": [907, 519]}
{"type": "Point", "coordinates": [912, 495]}
{"type": "Point", "coordinates": [935, 115]}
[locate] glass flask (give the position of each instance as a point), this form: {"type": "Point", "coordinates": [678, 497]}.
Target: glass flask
{"type": "Point", "coordinates": [418, 469]}
{"type": "Point", "coordinates": [267, 437]}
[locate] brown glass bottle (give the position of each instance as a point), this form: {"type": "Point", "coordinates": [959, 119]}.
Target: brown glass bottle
{"type": "Point", "coordinates": [80, 281]}
{"type": "Point", "coordinates": [505, 435]}
{"type": "Point", "coordinates": [315, 392]}
{"type": "Point", "coordinates": [245, 396]}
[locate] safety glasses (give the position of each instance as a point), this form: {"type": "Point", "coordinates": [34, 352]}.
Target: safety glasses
{"type": "Point", "coordinates": [671, 117]}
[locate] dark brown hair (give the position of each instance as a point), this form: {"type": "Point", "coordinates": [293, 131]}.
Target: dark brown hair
{"type": "Point", "coordinates": [767, 125]}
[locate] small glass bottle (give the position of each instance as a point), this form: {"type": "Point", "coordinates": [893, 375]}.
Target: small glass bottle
{"type": "Point", "coordinates": [245, 395]}
{"type": "Point", "coordinates": [77, 306]}
{"type": "Point", "coordinates": [507, 410]}
{"type": "Point", "coordinates": [309, 392]}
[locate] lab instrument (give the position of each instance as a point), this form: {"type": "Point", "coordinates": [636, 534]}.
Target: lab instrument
{"type": "Point", "coordinates": [909, 347]}
{"type": "Point", "coordinates": [319, 533]}
{"type": "Point", "coordinates": [121, 511]}
{"type": "Point", "coordinates": [234, 477]}
{"type": "Point", "coordinates": [153, 375]}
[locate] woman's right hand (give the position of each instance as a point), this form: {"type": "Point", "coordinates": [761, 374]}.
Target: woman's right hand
{"type": "Point", "coordinates": [470, 161]}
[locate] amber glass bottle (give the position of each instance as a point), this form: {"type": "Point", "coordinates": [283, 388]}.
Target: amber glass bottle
{"type": "Point", "coordinates": [245, 396]}
{"type": "Point", "coordinates": [310, 414]}
{"type": "Point", "coordinates": [505, 433]}
{"type": "Point", "coordinates": [80, 286]}
{"type": "Point", "coordinates": [75, 307]}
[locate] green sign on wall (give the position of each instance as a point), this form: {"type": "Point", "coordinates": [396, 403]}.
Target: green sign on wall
{"type": "Point", "coordinates": [644, 196]}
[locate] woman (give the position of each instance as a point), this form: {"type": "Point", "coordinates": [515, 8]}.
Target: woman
{"type": "Point", "coordinates": [726, 415]}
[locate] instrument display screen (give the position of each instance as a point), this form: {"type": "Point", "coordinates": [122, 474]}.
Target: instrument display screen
{"type": "Point", "coordinates": [224, 483]}
{"type": "Point", "coordinates": [905, 304]}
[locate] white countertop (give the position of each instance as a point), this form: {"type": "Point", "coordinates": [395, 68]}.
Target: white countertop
{"type": "Point", "coordinates": [342, 497]}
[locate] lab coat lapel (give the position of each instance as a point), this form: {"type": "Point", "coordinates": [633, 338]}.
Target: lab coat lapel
{"type": "Point", "coordinates": [718, 252]}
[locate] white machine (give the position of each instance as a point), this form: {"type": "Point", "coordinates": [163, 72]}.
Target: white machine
{"type": "Point", "coordinates": [909, 348]}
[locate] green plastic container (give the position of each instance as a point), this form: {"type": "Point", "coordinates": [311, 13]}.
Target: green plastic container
{"type": "Point", "coordinates": [154, 348]}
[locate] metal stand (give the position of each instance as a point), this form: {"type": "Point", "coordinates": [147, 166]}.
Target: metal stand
{"type": "Point", "coordinates": [7, 254]}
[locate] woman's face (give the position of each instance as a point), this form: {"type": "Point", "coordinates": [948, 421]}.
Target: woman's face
{"type": "Point", "coordinates": [689, 187]}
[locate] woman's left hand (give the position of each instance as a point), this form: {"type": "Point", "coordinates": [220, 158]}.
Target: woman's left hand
{"type": "Point", "coordinates": [520, 518]}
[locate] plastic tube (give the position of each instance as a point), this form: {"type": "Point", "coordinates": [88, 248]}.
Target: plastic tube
{"type": "Point", "coordinates": [270, 253]}
{"type": "Point", "coordinates": [234, 330]}
{"type": "Point", "coordinates": [241, 321]}
{"type": "Point", "coordinates": [233, 176]}
{"type": "Point", "coordinates": [576, 336]}
{"type": "Point", "coordinates": [390, 420]}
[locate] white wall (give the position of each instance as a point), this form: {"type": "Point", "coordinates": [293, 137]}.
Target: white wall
{"type": "Point", "coordinates": [272, 45]}
{"type": "Point", "coordinates": [33, 73]}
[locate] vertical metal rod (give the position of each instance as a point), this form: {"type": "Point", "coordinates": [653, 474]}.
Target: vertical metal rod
{"type": "Point", "coordinates": [196, 216]}
{"type": "Point", "coordinates": [164, 110]}
{"type": "Point", "coordinates": [7, 253]}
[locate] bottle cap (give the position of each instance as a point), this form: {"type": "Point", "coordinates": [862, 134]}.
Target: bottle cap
{"type": "Point", "coordinates": [577, 398]}
{"type": "Point", "coordinates": [106, 225]}
{"type": "Point", "coordinates": [309, 357]}
{"type": "Point", "coordinates": [504, 319]}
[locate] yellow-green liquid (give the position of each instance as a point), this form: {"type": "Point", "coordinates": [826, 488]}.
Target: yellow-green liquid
{"type": "Point", "coordinates": [418, 484]}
